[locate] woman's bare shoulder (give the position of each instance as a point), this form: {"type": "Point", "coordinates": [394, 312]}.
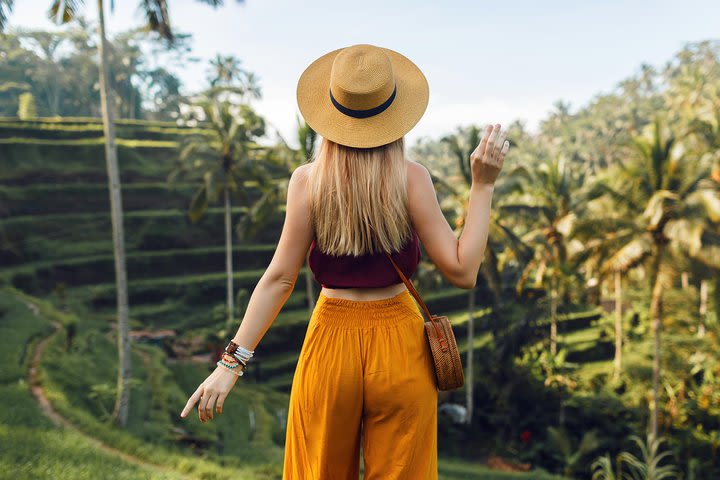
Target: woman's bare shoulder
{"type": "Point", "coordinates": [418, 177]}
{"type": "Point", "coordinates": [302, 174]}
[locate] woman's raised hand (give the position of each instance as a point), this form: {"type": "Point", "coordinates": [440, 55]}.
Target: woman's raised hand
{"type": "Point", "coordinates": [487, 159]}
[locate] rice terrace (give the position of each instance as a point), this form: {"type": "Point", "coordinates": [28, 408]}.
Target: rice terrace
{"type": "Point", "coordinates": [145, 169]}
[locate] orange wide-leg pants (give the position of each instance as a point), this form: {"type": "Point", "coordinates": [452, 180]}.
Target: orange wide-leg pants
{"type": "Point", "coordinates": [364, 379]}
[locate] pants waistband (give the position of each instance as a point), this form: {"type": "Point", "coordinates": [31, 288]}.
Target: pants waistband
{"type": "Point", "coordinates": [347, 313]}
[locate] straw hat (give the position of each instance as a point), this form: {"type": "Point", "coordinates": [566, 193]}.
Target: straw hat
{"type": "Point", "coordinates": [362, 95]}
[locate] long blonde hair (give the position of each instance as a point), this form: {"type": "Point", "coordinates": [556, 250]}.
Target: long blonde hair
{"type": "Point", "coordinates": [358, 198]}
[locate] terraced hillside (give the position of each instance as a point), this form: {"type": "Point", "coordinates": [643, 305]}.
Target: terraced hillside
{"type": "Point", "coordinates": [55, 217]}
{"type": "Point", "coordinates": [55, 230]}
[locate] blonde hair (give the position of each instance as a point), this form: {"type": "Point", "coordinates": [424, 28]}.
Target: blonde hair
{"type": "Point", "coordinates": [358, 198]}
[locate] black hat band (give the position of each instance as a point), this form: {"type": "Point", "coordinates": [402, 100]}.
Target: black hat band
{"type": "Point", "coordinates": [364, 113]}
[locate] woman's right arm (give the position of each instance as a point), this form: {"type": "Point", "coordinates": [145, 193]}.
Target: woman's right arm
{"type": "Point", "coordinates": [458, 260]}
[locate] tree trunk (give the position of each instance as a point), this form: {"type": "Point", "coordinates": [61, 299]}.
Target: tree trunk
{"type": "Point", "coordinates": [122, 401]}
{"type": "Point", "coordinates": [489, 269]}
{"type": "Point", "coordinates": [228, 258]}
{"type": "Point", "coordinates": [618, 325]}
{"type": "Point", "coordinates": [553, 315]}
{"type": "Point", "coordinates": [540, 273]}
{"type": "Point", "coordinates": [716, 296]}
{"type": "Point", "coordinates": [703, 307]}
{"type": "Point", "coordinates": [656, 319]}
{"type": "Point", "coordinates": [470, 342]}
{"type": "Point", "coordinates": [131, 102]}
{"type": "Point", "coordinates": [684, 280]}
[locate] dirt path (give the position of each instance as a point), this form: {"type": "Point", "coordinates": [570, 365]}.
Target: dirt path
{"type": "Point", "coordinates": [39, 393]}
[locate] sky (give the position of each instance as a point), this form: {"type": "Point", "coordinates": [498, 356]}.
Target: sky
{"type": "Point", "coordinates": [486, 62]}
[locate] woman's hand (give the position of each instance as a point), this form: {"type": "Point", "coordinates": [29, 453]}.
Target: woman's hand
{"type": "Point", "coordinates": [487, 159]}
{"type": "Point", "coordinates": [211, 393]}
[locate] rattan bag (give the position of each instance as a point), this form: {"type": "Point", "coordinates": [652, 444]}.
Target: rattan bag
{"type": "Point", "coordinates": [439, 333]}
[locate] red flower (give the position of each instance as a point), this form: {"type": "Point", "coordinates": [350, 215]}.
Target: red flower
{"type": "Point", "coordinates": [525, 436]}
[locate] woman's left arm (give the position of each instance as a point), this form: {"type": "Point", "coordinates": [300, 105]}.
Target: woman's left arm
{"type": "Point", "coordinates": [277, 283]}
{"type": "Point", "coordinates": [270, 294]}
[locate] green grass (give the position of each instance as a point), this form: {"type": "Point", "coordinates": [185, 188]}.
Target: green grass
{"type": "Point", "coordinates": [32, 447]}
{"type": "Point", "coordinates": [40, 450]}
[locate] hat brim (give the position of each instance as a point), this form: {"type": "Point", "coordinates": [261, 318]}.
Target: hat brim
{"type": "Point", "coordinates": [400, 117]}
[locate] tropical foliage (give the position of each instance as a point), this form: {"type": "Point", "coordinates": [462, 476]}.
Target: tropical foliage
{"type": "Point", "coordinates": [593, 324]}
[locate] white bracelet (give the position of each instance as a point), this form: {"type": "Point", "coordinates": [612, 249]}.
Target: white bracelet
{"type": "Point", "coordinates": [243, 355]}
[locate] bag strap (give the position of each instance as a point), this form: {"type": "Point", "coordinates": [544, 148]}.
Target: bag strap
{"type": "Point", "coordinates": [411, 287]}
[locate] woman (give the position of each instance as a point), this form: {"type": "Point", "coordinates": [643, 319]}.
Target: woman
{"type": "Point", "coordinates": [364, 378]}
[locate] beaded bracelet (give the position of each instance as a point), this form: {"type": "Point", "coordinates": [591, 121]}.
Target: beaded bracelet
{"type": "Point", "coordinates": [232, 359]}
{"type": "Point", "coordinates": [230, 368]}
{"type": "Point", "coordinates": [230, 363]}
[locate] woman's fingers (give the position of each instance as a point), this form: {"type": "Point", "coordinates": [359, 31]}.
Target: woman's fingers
{"type": "Point", "coordinates": [490, 145]}
{"type": "Point", "coordinates": [480, 150]}
{"type": "Point", "coordinates": [192, 401]}
{"type": "Point", "coordinates": [220, 402]}
{"type": "Point", "coordinates": [503, 151]}
{"type": "Point", "coordinates": [210, 406]}
{"type": "Point", "coordinates": [207, 402]}
{"type": "Point", "coordinates": [202, 405]}
{"type": "Point", "coordinates": [500, 144]}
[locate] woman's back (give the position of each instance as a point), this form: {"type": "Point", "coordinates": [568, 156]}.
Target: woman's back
{"type": "Point", "coordinates": [371, 270]}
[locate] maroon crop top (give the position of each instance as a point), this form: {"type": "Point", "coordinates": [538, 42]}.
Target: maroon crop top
{"type": "Point", "coordinates": [364, 271]}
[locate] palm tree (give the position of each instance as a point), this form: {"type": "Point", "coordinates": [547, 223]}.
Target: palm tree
{"type": "Point", "coordinates": [667, 204]}
{"type": "Point", "coordinates": [557, 198]}
{"type": "Point", "coordinates": [120, 410]}
{"type": "Point", "coordinates": [228, 78]}
{"type": "Point", "coordinates": [609, 250]}
{"type": "Point", "coordinates": [6, 7]}
{"type": "Point", "coordinates": [707, 128]}
{"type": "Point", "coordinates": [617, 362]}
{"type": "Point", "coordinates": [224, 157]}
{"type": "Point", "coordinates": [677, 210]}
{"type": "Point", "coordinates": [156, 12]}
{"type": "Point", "coordinates": [63, 11]}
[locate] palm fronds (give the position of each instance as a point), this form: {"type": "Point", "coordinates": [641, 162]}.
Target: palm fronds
{"type": "Point", "coordinates": [6, 8]}
{"type": "Point", "coordinates": [64, 11]}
